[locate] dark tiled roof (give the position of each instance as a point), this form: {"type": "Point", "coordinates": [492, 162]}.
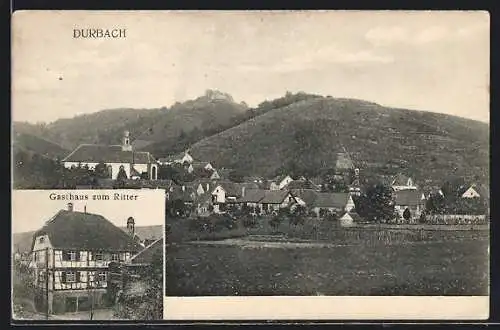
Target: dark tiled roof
{"type": "Point", "coordinates": [279, 178]}
{"type": "Point", "coordinates": [145, 257]}
{"type": "Point", "coordinates": [302, 184]}
{"type": "Point", "coordinates": [274, 196]}
{"type": "Point", "coordinates": [138, 144]}
{"type": "Point", "coordinates": [252, 196]}
{"type": "Point", "coordinates": [307, 195]}
{"type": "Point", "coordinates": [400, 180]}
{"type": "Point", "coordinates": [333, 200]}
{"type": "Point", "coordinates": [85, 231]}
{"type": "Point", "coordinates": [147, 232]}
{"type": "Point", "coordinates": [108, 154]}
{"type": "Point", "coordinates": [408, 197]}
{"type": "Point", "coordinates": [235, 189]}
{"type": "Point", "coordinates": [355, 216]}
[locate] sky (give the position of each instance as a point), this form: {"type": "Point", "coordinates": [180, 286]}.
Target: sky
{"type": "Point", "coordinates": [41, 208]}
{"type": "Point", "coordinates": [432, 61]}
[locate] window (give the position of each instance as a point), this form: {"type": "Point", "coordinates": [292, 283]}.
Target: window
{"type": "Point", "coordinates": [41, 277]}
{"type": "Point", "coordinates": [98, 256]}
{"type": "Point", "coordinates": [70, 277]}
{"type": "Point", "coordinates": [115, 257]}
{"type": "Point", "coordinates": [102, 277]}
{"type": "Point", "coordinates": [41, 239]}
{"type": "Point", "coordinates": [70, 256]}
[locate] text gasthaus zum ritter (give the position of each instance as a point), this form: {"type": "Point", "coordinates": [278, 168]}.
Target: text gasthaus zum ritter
{"type": "Point", "coordinates": [95, 197]}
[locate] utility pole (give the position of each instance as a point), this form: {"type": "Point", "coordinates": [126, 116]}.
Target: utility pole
{"type": "Point", "coordinates": [47, 283]}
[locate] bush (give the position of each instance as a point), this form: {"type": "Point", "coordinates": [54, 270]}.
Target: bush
{"type": "Point", "coordinates": [224, 221]}
{"type": "Point", "coordinates": [249, 222]}
{"type": "Point", "coordinates": [275, 222]}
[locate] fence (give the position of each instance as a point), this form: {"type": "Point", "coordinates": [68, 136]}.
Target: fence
{"type": "Point", "coordinates": [459, 219]}
{"type": "Point", "coordinates": [367, 235]}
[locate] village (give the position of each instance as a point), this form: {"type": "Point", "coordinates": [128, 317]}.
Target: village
{"type": "Point", "coordinates": [197, 188]}
{"type": "Point", "coordinates": [81, 263]}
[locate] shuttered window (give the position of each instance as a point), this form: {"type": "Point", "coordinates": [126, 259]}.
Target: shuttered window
{"type": "Point", "coordinates": [70, 256]}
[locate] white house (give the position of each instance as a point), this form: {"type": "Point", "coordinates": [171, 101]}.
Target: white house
{"type": "Point", "coordinates": [70, 257]}
{"type": "Point", "coordinates": [349, 219]}
{"type": "Point", "coordinates": [471, 193]}
{"type": "Point", "coordinates": [403, 182]}
{"type": "Point", "coordinates": [333, 202]}
{"type": "Point", "coordinates": [280, 182]}
{"type": "Point", "coordinates": [115, 157]}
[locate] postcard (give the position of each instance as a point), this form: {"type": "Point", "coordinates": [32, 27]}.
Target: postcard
{"type": "Point", "coordinates": [305, 165]}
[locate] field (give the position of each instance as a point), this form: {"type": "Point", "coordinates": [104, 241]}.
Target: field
{"type": "Point", "coordinates": [457, 267]}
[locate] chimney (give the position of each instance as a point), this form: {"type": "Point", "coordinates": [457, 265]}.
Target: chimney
{"type": "Point", "coordinates": [243, 191]}
{"type": "Point", "coordinates": [85, 209]}
{"type": "Point", "coordinates": [131, 226]}
{"type": "Point", "coordinates": [70, 207]}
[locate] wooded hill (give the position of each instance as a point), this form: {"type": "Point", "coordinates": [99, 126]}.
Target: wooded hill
{"type": "Point", "coordinates": [301, 133]}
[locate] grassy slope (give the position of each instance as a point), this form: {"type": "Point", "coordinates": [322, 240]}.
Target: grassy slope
{"type": "Point", "coordinates": [34, 144]}
{"type": "Point", "coordinates": [311, 132]}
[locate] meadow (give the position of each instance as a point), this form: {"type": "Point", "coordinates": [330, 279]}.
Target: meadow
{"type": "Point", "coordinates": [433, 268]}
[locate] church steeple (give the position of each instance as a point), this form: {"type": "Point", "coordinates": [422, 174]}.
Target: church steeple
{"type": "Point", "coordinates": [126, 146]}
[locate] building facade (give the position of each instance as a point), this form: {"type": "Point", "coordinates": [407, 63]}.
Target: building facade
{"type": "Point", "coordinates": [135, 164]}
{"type": "Point", "coordinates": [70, 258]}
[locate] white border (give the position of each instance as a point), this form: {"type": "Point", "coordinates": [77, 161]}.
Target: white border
{"type": "Point", "coordinates": [327, 308]}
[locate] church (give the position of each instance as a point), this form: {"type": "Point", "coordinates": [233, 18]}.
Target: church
{"type": "Point", "coordinates": [136, 164]}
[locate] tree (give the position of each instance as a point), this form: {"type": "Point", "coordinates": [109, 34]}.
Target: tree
{"type": "Point", "coordinates": [101, 171]}
{"type": "Point", "coordinates": [236, 176]}
{"type": "Point", "coordinates": [122, 175]}
{"type": "Point", "coordinates": [275, 222]}
{"type": "Point", "coordinates": [149, 305]}
{"type": "Point", "coordinates": [407, 214]}
{"type": "Point", "coordinates": [376, 204]}
{"type": "Point", "coordinates": [435, 204]}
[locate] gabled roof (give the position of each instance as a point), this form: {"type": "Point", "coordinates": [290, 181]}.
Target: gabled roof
{"type": "Point", "coordinates": [316, 180]}
{"type": "Point", "coordinates": [145, 257]}
{"type": "Point", "coordinates": [252, 196]}
{"type": "Point", "coordinates": [147, 232]}
{"type": "Point", "coordinates": [138, 144]}
{"type": "Point", "coordinates": [85, 231]}
{"type": "Point", "coordinates": [408, 197]}
{"type": "Point", "coordinates": [96, 153]}
{"type": "Point", "coordinates": [354, 216]}
{"type": "Point", "coordinates": [400, 180]}
{"type": "Point", "coordinates": [279, 178]}
{"type": "Point", "coordinates": [307, 195]}
{"type": "Point", "coordinates": [331, 200]}
{"type": "Point", "coordinates": [274, 196]}
{"type": "Point", "coordinates": [235, 189]}
{"type": "Point", "coordinates": [197, 164]}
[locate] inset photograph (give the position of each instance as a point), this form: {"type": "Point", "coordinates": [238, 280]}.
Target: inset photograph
{"type": "Point", "coordinates": [87, 255]}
